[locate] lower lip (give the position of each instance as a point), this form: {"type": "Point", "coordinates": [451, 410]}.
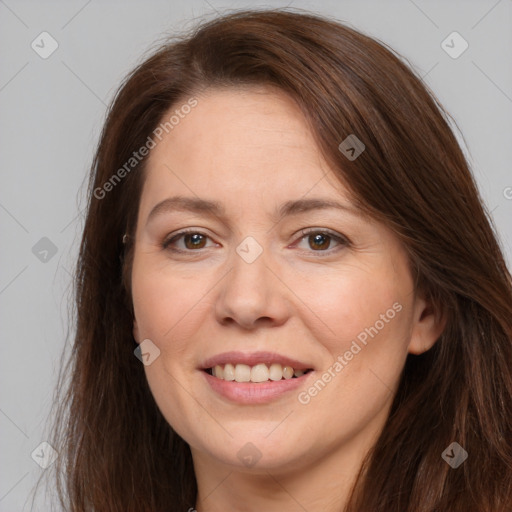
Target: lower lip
{"type": "Point", "coordinates": [254, 392]}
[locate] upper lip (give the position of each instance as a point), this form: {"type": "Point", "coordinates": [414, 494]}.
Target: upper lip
{"type": "Point", "coordinates": [253, 358]}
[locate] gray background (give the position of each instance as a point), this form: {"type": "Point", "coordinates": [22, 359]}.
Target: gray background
{"type": "Point", "coordinates": [51, 114]}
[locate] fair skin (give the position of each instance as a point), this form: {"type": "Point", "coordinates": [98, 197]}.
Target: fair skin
{"type": "Point", "coordinates": [305, 298]}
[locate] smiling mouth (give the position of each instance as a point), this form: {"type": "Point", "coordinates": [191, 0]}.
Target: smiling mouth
{"type": "Point", "coordinates": [258, 373]}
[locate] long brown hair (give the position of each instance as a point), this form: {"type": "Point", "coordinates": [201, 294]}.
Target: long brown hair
{"type": "Point", "coordinates": [117, 452]}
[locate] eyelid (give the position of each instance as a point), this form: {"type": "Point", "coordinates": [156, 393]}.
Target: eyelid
{"type": "Point", "coordinates": [326, 231]}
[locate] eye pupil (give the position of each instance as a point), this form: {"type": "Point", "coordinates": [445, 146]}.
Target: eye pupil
{"type": "Point", "coordinates": [196, 240]}
{"type": "Point", "coordinates": [317, 239]}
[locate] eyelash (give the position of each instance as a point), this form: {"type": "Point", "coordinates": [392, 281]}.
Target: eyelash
{"type": "Point", "coordinates": [342, 240]}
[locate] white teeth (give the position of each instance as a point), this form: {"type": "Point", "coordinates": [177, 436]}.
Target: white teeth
{"type": "Point", "coordinates": [257, 373]}
{"type": "Point", "coordinates": [287, 372]}
{"type": "Point", "coordinates": [275, 372]}
{"type": "Point", "coordinates": [218, 371]}
{"type": "Point", "coordinates": [229, 372]}
{"type": "Point", "coordinates": [242, 373]}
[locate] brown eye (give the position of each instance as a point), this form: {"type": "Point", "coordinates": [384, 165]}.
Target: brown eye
{"type": "Point", "coordinates": [320, 241]}
{"type": "Point", "coordinates": [192, 240]}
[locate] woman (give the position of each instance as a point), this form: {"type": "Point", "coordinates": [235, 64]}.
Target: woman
{"type": "Point", "coordinates": [289, 294]}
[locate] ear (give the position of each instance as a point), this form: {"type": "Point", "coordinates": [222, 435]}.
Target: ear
{"type": "Point", "coordinates": [427, 327]}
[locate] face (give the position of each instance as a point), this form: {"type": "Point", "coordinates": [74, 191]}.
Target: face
{"type": "Point", "coordinates": [268, 285]}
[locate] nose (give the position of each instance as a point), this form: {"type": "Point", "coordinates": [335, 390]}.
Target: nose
{"type": "Point", "coordinates": [252, 294]}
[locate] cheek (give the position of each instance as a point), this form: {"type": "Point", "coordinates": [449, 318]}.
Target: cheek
{"type": "Point", "coordinates": [351, 302]}
{"type": "Point", "coordinates": [366, 321]}
{"type": "Point", "coordinates": [167, 309]}
{"type": "Point", "coordinates": [165, 303]}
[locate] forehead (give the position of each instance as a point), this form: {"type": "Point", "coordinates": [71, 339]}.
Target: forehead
{"type": "Point", "coordinates": [244, 145]}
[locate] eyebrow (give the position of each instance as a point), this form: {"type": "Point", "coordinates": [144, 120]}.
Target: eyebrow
{"type": "Point", "coordinates": [216, 209]}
